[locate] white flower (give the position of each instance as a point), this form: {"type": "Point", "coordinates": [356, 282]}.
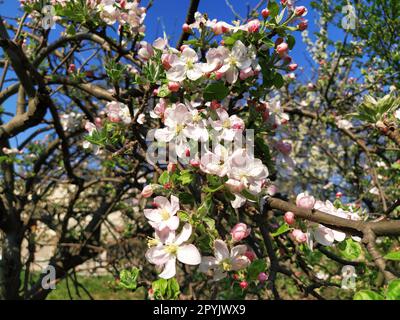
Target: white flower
{"type": "Point", "coordinates": [224, 260]}
{"type": "Point", "coordinates": [185, 66]}
{"type": "Point", "coordinates": [176, 119]}
{"type": "Point", "coordinates": [245, 172]}
{"type": "Point", "coordinates": [164, 216]}
{"type": "Point", "coordinates": [215, 59]}
{"type": "Point", "coordinates": [215, 162]}
{"type": "Point", "coordinates": [344, 124]}
{"type": "Point", "coordinates": [236, 60]}
{"type": "Point", "coordinates": [397, 114]}
{"type": "Point", "coordinates": [169, 248]}
{"type": "Point", "coordinates": [117, 112]}
{"type": "Point", "coordinates": [228, 126]}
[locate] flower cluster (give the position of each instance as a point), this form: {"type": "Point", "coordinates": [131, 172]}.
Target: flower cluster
{"type": "Point", "coordinates": [167, 246]}
{"type": "Point", "coordinates": [185, 123]}
{"type": "Point", "coordinates": [318, 232]}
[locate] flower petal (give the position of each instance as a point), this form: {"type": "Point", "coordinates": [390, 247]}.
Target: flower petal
{"type": "Point", "coordinates": [189, 254]}
{"type": "Point", "coordinates": [221, 251]}
{"type": "Point", "coordinates": [184, 235]}
{"type": "Point", "coordinates": [169, 269]}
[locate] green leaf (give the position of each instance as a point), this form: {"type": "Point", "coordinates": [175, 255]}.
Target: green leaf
{"type": "Point", "coordinates": [205, 207]}
{"type": "Point", "coordinates": [215, 91]}
{"type": "Point", "coordinates": [282, 229]}
{"type": "Point", "coordinates": [350, 249]}
{"type": "Point", "coordinates": [128, 278]}
{"type": "Point", "coordinates": [367, 295]}
{"type": "Point", "coordinates": [186, 177]}
{"type": "Point", "coordinates": [255, 268]}
{"type": "Point", "coordinates": [166, 289]}
{"type": "Point", "coordinates": [183, 216]}
{"type": "Point", "coordinates": [186, 198]}
{"type": "Point", "coordinates": [164, 178]}
{"type": "Point", "coordinates": [278, 80]}
{"type": "Point", "coordinates": [395, 255]}
{"type": "Point", "coordinates": [393, 290]}
{"type": "Point", "coordinates": [273, 7]}
{"type": "Point", "coordinates": [291, 41]}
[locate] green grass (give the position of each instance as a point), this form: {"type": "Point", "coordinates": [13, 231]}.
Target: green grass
{"type": "Point", "coordinates": [99, 288]}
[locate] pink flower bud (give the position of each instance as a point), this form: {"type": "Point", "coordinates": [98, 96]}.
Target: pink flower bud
{"type": "Point", "coordinates": [305, 201]}
{"type": "Point", "coordinates": [220, 27]}
{"type": "Point", "coordinates": [187, 152]}
{"type": "Point", "coordinates": [300, 11]}
{"type": "Point", "coordinates": [289, 217]}
{"type": "Point", "coordinates": [147, 191]}
{"type": "Point", "coordinates": [287, 59]}
{"type": "Point", "coordinates": [303, 25]}
{"type": "Point", "coordinates": [218, 75]}
{"type": "Point", "coordinates": [171, 167]}
{"type": "Point", "coordinates": [243, 284]}
{"type": "Point", "coordinates": [174, 86]}
{"type": "Point", "coordinates": [339, 195]}
{"type": "Point", "coordinates": [71, 68]}
{"type": "Point", "coordinates": [253, 26]}
{"type": "Point", "coordinates": [246, 73]}
{"type": "Point", "coordinates": [215, 105]}
{"type": "Point", "coordinates": [186, 28]}
{"type": "Point", "coordinates": [155, 92]}
{"type": "Point", "coordinates": [235, 276]}
{"type": "Point", "coordinates": [194, 163]}
{"type": "Point", "coordinates": [283, 2]}
{"type": "Point", "coordinates": [282, 48]}
{"type": "Point", "coordinates": [166, 60]}
{"type": "Point", "coordinates": [299, 236]}
{"type": "Point", "coordinates": [265, 13]}
{"type": "Point", "coordinates": [292, 66]}
{"type": "Point", "coordinates": [167, 186]}
{"type": "Point", "coordinates": [98, 122]}
{"type": "Point", "coordinates": [250, 254]}
{"type": "Point", "coordinates": [262, 277]}
{"type": "Point", "coordinates": [240, 231]}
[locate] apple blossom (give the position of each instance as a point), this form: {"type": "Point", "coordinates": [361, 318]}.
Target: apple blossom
{"type": "Point", "coordinates": [147, 191]}
{"type": "Point", "coordinates": [265, 13]}
{"type": "Point", "coordinates": [243, 284]}
{"type": "Point", "coordinates": [300, 11]}
{"type": "Point", "coordinates": [239, 232]}
{"type": "Point", "coordinates": [253, 26]}
{"type": "Point", "coordinates": [228, 126]}
{"type": "Point", "coordinates": [173, 247]}
{"type": "Point", "coordinates": [305, 201]}
{"type": "Point", "coordinates": [117, 112]}
{"type": "Point", "coordinates": [224, 261]}
{"type": "Point", "coordinates": [237, 58]}
{"type": "Point", "coordinates": [164, 215]}
{"type": "Point", "coordinates": [185, 66]}
{"type": "Point", "coordinates": [299, 236]}
{"type": "Point", "coordinates": [289, 218]}
{"type": "Point", "coordinates": [262, 277]}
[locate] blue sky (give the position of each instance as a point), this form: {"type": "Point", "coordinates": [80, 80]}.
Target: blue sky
{"type": "Point", "coordinates": [169, 15]}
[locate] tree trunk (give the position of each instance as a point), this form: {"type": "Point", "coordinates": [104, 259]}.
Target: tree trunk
{"type": "Point", "coordinates": [10, 267]}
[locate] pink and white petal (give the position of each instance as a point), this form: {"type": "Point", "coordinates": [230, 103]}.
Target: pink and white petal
{"type": "Point", "coordinates": [189, 254]}
{"type": "Point", "coordinates": [221, 251]}
{"type": "Point", "coordinates": [173, 223]}
{"type": "Point", "coordinates": [232, 75]}
{"type": "Point", "coordinates": [239, 201]}
{"type": "Point", "coordinates": [162, 202]}
{"type": "Point", "coordinates": [174, 204]}
{"type": "Point", "coordinates": [164, 134]}
{"type": "Point", "coordinates": [152, 215]}
{"type": "Point", "coordinates": [338, 235]}
{"type": "Point", "coordinates": [177, 73]}
{"type": "Point", "coordinates": [207, 263]}
{"type": "Point", "coordinates": [184, 235]}
{"type": "Point", "coordinates": [195, 73]}
{"type": "Point", "coordinates": [324, 236]}
{"type": "Point", "coordinates": [169, 269]}
{"type": "Point", "coordinates": [218, 275]}
{"type": "Point", "coordinates": [238, 250]}
{"type": "Point", "coordinates": [239, 263]}
{"type": "Point", "coordinates": [157, 255]}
